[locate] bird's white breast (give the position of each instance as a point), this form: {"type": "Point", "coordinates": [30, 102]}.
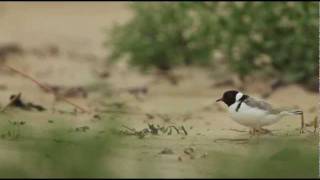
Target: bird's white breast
{"type": "Point", "coordinates": [250, 116]}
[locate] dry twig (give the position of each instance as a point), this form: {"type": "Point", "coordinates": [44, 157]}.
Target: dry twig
{"type": "Point", "coordinates": [45, 88]}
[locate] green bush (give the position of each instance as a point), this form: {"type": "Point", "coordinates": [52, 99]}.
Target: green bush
{"type": "Point", "coordinates": [161, 35]}
{"type": "Point", "coordinates": [274, 38]}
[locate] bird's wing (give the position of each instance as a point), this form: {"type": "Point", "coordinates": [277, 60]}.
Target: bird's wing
{"type": "Point", "coordinates": [267, 107]}
{"type": "Point", "coordinates": [259, 104]}
{"type": "Point", "coordinates": [287, 111]}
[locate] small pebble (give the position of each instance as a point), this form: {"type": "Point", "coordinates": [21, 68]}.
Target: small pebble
{"type": "Point", "coordinates": [189, 150]}
{"type": "Point", "coordinates": [204, 155]}
{"type": "Point", "coordinates": [167, 151]}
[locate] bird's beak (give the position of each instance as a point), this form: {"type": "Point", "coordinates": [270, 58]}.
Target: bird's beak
{"type": "Point", "coordinates": [218, 100]}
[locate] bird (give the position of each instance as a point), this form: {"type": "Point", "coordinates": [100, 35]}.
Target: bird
{"type": "Point", "coordinates": [252, 112]}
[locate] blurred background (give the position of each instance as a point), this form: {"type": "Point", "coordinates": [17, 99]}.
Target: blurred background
{"type": "Point", "coordinates": [151, 66]}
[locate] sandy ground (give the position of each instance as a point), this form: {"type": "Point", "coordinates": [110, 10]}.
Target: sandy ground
{"type": "Point", "coordinates": [78, 30]}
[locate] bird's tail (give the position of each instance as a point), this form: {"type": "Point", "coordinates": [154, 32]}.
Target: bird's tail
{"type": "Point", "coordinates": [292, 112]}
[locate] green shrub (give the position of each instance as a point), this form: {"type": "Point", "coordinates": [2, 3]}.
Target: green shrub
{"type": "Point", "coordinates": [161, 35]}
{"type": "Point", "coordinates": [277, 38]}
{"type": "Point", "coordinates": [274, 38]}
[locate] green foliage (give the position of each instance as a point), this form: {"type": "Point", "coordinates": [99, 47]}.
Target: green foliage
{"type": "Point", "coordinates": [274, 38]}
{"type": "Point", "coordinates": [161, 35]}
{"type": "Point", "coordinates": [269, 158]}
{"type": "Point", "coordinates": [277, 38]}
{"type": "Point", "coordinates": [55, 152]}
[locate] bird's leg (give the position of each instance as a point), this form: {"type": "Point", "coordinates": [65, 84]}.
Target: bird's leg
{"type": "Point", "coordinates": [258, 135]}
{"type": "Point", "coordinates": [252, 131]}
{"type": "Point", "coordinates": [53, 106]}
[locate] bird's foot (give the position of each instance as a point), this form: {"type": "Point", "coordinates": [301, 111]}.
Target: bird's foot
{"type": "Point", "coordinates": [259, 131]}
{"type": "Point", "coordinates": [263, 131]}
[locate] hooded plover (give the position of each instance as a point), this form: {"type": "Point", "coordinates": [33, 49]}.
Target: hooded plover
{"type": "Point", "coordinates": [252, 112]}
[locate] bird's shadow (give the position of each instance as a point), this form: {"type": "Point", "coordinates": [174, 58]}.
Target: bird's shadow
{"type": "Point", "coordinates": [247, 140]}
{"type": "Point", "coordinates": [232, 140]}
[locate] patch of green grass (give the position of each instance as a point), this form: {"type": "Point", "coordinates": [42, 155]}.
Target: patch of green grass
{"type": "Point", "coordinates": [55, 152]}
{"type": "Point", "coordinates": [277, 158]}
